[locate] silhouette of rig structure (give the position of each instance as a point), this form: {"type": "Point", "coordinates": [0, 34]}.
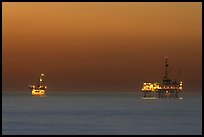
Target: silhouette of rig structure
{"type": "Point", "coordinates": [39, 89]}
{"type": "Point", "coordinates": [168, 88]}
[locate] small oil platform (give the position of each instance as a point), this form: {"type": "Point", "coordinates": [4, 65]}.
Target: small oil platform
{"type": "Point", "coordinates": [39, 89]}
{"type": "Point", "coordinates": [168, 89]}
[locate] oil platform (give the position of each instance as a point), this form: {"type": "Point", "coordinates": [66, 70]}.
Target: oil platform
{"type": "Point", "coordinates": [168, 89]}
{"type": "Point", "coordinates": [39, 89]}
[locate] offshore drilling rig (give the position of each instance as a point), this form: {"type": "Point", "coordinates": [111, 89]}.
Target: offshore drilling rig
{"type": "Point", "coordinates": [168, 89]}
{"type": "Point", "coordinates": [38, 90]}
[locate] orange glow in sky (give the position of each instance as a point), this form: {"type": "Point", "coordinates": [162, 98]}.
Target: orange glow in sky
{"type": "Point", "coordinates": [94, 46]}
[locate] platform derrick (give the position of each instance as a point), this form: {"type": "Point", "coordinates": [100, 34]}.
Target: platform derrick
{"type": "Point", "coordinates": [39, 89]}
{"type": "Point", "coordinates": [167, 89]}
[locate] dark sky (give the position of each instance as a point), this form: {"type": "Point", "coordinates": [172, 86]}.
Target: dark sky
{"type": "Point", "coordinates": [100, 46]}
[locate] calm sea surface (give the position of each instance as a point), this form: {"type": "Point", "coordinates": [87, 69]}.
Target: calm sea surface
{"type": "Point", "coordinates": [108, 113]}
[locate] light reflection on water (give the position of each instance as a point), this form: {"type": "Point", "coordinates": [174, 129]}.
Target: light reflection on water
{"type": "Point", "coordinates": [100, 113]}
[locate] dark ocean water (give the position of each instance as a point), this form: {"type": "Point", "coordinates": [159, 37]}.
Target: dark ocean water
{"type": "Point", "coordinates": [97, 113]}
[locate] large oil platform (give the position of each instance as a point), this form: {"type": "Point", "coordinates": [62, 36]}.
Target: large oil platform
{"type": "Point", "coordinates": [168, 89]}
{"type": "Point", "coordinates": [39, 89]}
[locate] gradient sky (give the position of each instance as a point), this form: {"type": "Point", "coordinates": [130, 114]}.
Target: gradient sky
{"type": "Point", "coordinates": [100, 46]}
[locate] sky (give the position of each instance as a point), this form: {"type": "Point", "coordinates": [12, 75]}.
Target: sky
{"type": "Point", "coordinates": [100, 46]}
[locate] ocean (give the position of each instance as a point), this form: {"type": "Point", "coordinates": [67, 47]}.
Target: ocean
{"type": "Point", "coordinates": [100, 113]}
